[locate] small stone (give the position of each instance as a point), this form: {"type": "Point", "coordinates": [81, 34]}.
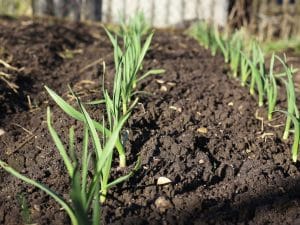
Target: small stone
{"type": "Point", "coordinates": [241, 109]}
{"type": "Point", "coordinates": [162, 204]}
{"type": "Point", "coordinates": [202, 130]}
{"type": "Point", "coordinates": [37, 208]}
{"type": "Point", "coordinates": [160, 81]}
{"type": "Point", "coordinates": [172, 84]}
{"type": "Point", "coordinates": [230, 103]}
{"type": "Point", "coordinates": [201, 161]}
{"type": "Point", "coordinates": [163, 88]}
{"type": "Point", "coordinates": [2, 132]}
{"type": "Point", "coordinates": [178, 109]}
{"type": "Point", "coordinates": [163, 181]}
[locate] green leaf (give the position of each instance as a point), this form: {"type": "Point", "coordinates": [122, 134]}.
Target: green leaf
{"type": "Point", "coordinates": [295, 146]}
{"type": "Point", "coordinates": [59, 145]}
{"type": "Point", "coordinates": [44, 188]}
{"type": "Point", "coordinates": [107, 150]}
{"type": "Point", "coordinates": [151, 72]}
{"type": "Point", "coordinates": [77, 200]}
{"type": "Point", "coordinates": [126, 177]}
{"type": "Point", "coordinates": [85, 162]}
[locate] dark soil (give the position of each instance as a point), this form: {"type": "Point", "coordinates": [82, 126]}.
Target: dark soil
{"type": "Point", "coordinates": [198, 128]}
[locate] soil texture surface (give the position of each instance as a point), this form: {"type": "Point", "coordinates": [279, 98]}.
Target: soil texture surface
{"type": "Point", "coordinates": [197, 127]}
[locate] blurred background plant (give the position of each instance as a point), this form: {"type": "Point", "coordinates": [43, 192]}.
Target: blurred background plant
{"type": "Point", "coordinates": [268, 20]}
{"type": "Point", "coordinates": [16, 7]}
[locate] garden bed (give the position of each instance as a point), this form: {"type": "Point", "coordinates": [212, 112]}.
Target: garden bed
{"type": "Point", "coordinates": [197, 127]}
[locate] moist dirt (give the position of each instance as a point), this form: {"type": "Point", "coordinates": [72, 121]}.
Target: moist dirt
{"type": "Point", "coordinates": [196, 126]}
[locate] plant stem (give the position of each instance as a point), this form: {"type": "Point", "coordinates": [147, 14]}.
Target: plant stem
{"type": "Point", "coordinates": [103, 194]}
{"type": "Point", "coordinates": [122, 158]}
{"type": "Point", "coordinates": [287, 128]}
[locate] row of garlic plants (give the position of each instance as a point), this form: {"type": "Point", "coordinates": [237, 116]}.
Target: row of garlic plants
{"type": "Point", "coordinates": [248, 64]}
{"type": "Point", "coordinates": [100, 138]}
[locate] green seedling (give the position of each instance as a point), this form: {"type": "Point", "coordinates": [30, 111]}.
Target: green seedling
{"type": "Point", "coordinates": [84, 194]}
{"type": "Point", "coordinates": [235, 53]}
{"type": "Point", "coordinates": [213, 42]}
{"type": "Point", "coordinates": [283, 74]}
{"type": "Point", "coordinates": [244, 68]}
{"type": "Point", "coordinates": [25, 212]}
{"type": "Point", "coordinates": [271, 89]}
{"type": "Point", "coordinates": [105, 169]}
{"type": "Point", "coordinates": [257, 66]}
{"type": "Point", "coordinates": [223, 45]}
{"type": "Point", "coordinates": [200, 32]}
{"type": "Point", "coordinates": [291, 98]}
{"type": "Point", "coordinates": [72, 112]}
{"type": "Point", "coordinates": [257, 73]}
{"type": "Point", "coordinates": [259, 79]}
{"type": "Point", "coordinates": [296, 123]}
{"type": "Point", "coordinates": [205, 34]}
{"type": "Point", "coordinates": [128, 63]}
{"type": "Point", "coordinates": [137, 25]}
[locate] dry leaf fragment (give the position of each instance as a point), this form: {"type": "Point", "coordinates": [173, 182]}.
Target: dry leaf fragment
{"type": "Point", "coordinates": [163, 181]}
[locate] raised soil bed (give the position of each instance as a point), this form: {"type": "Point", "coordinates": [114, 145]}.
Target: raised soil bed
{"type": "Point", "coordinates": [196, 127]}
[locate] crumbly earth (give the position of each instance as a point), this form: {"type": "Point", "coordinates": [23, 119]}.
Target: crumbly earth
{"type": "Point", "coordinates": [197, 127]}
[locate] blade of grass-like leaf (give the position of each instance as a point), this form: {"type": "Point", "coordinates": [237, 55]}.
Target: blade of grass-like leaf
{"type": "Point", "coordinates": [126, 177]}
{"type": "Point", "coordinates": [105, 177]}
{"type": "Point", "coordinates": [77, 201]}
{"type": "Point", "coordinates": [92, 130]}
{"type": "Point", "coordinates": [95, 102]}
{"type": "Point", "coordinates": [68, 109]}
{"type": "Point", "coordinates": [64, 105]}
{"type": "Point", "coordinates": [144, 50]}
{"type": "Point", "coordinates": [141, 93]}
{"type": "Point", "coordinates": [295, 146]}
{"type": "Point", "coordinates": [132, 105]}
{"type": "Point", "coordinates": [117, 49]}
{"type": "Point", "coordinates": [151, 72]}
{"type": "Point", "coordinates": [59, 145]}
{"type": "Point", "coordinates": [25, 211]}
{"type": "Point", "coordinates": [108, 148]}
{"type": "Point", "coordinates": [222, 44]}
{"type": "Point", "coordinates": [44, 188]}
{"type": "Point", "coordinates": [290, 92]}
{"type": "Point", "coordinates": [85, 162]}
{"type": "Point", "coordinates": [256, 78]}
{"type": "Point", "coordinates": [245, 69]}
{"type": "Point", "coordinates": [271, 87]}
{"type": "Point", "coordinates": [96, 206]}
{"type": "Point", "coordinates": [72, 146]}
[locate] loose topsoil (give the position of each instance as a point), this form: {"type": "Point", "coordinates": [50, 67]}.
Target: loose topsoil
{"type": "Point", "coordinates": [196, 127]}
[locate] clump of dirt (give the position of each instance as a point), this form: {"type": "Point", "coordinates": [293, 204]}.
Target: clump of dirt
{"type": "Point", "coordinates": [196, 128]}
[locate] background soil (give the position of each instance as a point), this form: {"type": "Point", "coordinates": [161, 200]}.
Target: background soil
{"type": "Point", "coordinates": [232, 170]}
